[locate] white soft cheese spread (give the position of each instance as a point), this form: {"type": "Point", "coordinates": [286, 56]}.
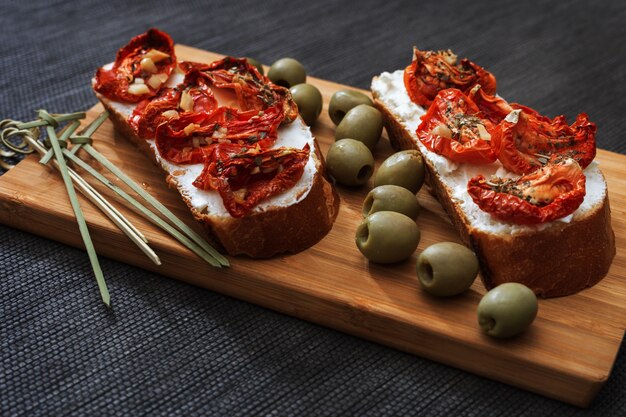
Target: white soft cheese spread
{"type": "Point", "coordinates": [294, 135]}
{"type": "Point", "coordinates": [389, 88]}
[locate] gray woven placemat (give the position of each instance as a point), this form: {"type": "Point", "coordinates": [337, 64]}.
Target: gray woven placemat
{"type": "Point", "coordinates": [171, 349]}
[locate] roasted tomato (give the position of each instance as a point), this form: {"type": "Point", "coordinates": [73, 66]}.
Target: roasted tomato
{"type": "Point", "coordinates": [551, 192]}
{"type": "Point", "coordinates": [431, 72]}
{"type": "Point", "coordinates": [253, 90]}
{"type": "Point", "coordinates": [188, 139]}
{"type": "Point", "coordinates": [194, 95]}
{"type": "Point", "coordinates": [140, 69]}
{"type": "Point", "coordinates": [452, 127]}
{"type": "Point", "coordinates": [245, 176]}
{"type": "Point", "coordinates": [525, 141]}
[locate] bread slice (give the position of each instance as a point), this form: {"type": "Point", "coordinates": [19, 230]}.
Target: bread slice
{"type": "Point", "coordinates": [289, 222]}
{"type": "Point", "coordinates": [553, 259]}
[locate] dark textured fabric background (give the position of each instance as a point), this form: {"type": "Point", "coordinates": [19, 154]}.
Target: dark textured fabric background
{"type": "Point", "coordinates": [171, 349]}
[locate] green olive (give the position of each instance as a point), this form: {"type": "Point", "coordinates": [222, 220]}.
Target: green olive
{"type": "Point", "coordinates": [342, 101]}
{"type": "Point", "coordinates": [256, 64]}
{"type": "Point", "coordinates": [287, 72]}
{"type": "Point", "coordinates": [405, 168]}
{"type": "Point", "coordinates": [309, 101]}
{"type": "Point", "coordinates": [349, 162]}
{"type": "Point", "coordinates": [446, 269]}
{"type": "Point", "coordinates": [364, 123]}
{"type": "Point", "coordinates": [387, 237]}
{"type": "Point", "coordinates": [507, 310]}
{"type": "Point", "coordinates": [391, 198]}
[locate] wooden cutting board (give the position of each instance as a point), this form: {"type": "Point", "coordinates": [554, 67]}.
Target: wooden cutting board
{"type": "Point", "coordinates": [567, 353]}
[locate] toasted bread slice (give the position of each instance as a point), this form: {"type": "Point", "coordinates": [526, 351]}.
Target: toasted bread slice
{"type": "Point", "coordinates": [553, 259]}
{"type": "Point", "coordinates": [289, 222]}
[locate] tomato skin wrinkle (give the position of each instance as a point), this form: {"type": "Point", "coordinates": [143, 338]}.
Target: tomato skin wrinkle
{"type": "Point", "coordinates": [551, 192]}
{"type": "Point", "coordinates": [433, 71]}
{"type": "Point", "coordinates": [455, 114]}
{"type": "Point", "coordinates": [114, 83]}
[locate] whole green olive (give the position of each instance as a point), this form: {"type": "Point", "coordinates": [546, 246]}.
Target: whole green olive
{"type": "Point", "coordinates": [349, 162]}
{"type": "Point", "coordinates": [256, 64]}
{"type": "Point", "coordinates": [391, 198]}
{"type": "Point", "coordinates": [405, 168]}
{"type": "Point", "coordinates": [309, 101]}
{"type": "Point", "coordinates": [287, 72]}
{"type": "Point", "coordinates": [446, 269]}
{"type": "Point", "coordinates": [387, 237]}
{"type": "Point", "coordinates": [507, 310]}
{"type": "Point", "coordinates": [343, 100]}
{"type": "Point", "coordinates": [363, 123]}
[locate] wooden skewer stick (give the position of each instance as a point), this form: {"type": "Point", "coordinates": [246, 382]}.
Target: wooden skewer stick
{"type": "Point", "coordinates": [80, 219]}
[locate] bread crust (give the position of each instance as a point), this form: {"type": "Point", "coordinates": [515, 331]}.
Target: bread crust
{"type": "Point", "coordinates": [560, 260]}
{"type": "Point", "coordinates": [276, 230]}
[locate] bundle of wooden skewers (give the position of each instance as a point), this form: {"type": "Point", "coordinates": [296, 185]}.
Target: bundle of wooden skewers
{"type": "Point", "coordinates": [61, 146]}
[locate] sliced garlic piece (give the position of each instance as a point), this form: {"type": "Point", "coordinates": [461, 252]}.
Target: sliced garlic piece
{"type": "Point", "coordinates": [513, 117]}
{"type": "Point", "coordinates": [186, 102]}
{"type": "Point", "coordinates": [138, 89]}
{"type": "Point", "coordinates": [155, 82]}
{"type": "Point", "coordinates": [482, 132]}
{"type": "Point", "coordinates": [147, 65]}
{"type": "Point", "coordinates": [155, 55]}
{"type": "Point", "coordinates": [442, 130]}
{"type": "Point", "coordinates": [170, 114]}
{"type": "Point", "coordinates": [190, 128]}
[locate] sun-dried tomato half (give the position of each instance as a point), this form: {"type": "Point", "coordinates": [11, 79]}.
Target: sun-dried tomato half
{"type": "Point", "coordinates": [551, 192]}
{"type": "Point", "coordinates": [524, 141]}
{"type": "Point", "coordinates": [246, 176]}
{"type": "Point", "coordinates": [140, 69]}
{"type": "Point", "coordinates": [453, 127]}
{"type": "Point", "coordinates": [194, 95]}
{"type": "Point", "coordinates": [188, 139]}
{"type": "Point", "coordinates": [253, 90]}
{"type": "Point", "coordinates": [431, 72]}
